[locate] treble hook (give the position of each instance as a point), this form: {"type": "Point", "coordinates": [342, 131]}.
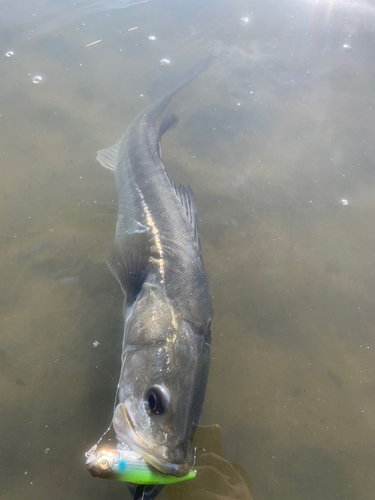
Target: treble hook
{"type": "Point", "coordinates": [195, 454]}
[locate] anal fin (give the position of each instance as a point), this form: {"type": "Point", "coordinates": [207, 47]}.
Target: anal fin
{"type": "Point", "coordinates": [168, 123]}
{"type": "Point", "coordinates": [186, 197]}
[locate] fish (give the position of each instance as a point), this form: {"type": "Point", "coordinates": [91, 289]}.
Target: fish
{"type": "Point", "coordinates": [156, 258]}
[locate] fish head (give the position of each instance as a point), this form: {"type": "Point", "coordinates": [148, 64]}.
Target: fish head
{"type": "Point", "coordinates": [162, 384]}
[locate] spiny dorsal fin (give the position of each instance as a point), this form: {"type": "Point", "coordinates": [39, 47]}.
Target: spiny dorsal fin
{"type": "Point", "coordinates": [108, 157]}
{"type": "Point", "coordinates": [127, 260]}
{"type": "Point", "coordinates": [186, 197]}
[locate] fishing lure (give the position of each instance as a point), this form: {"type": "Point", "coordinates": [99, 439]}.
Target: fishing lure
{"type": "Point", "coordinates": [127, 466]}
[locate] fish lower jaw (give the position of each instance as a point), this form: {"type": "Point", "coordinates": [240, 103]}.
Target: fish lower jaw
{"type": "Point", "coordinates": [124, 428]}
{"type": "Point", "coordinates": [178, 470]}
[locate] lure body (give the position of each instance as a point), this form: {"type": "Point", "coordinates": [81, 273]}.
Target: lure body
{"type": "Point", "coordinates": [128, 466]}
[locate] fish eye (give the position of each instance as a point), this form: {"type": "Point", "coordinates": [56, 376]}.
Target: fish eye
{"type": "Point", "coordinates": [158, 399]}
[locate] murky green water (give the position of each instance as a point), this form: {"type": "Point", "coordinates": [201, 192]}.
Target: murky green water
{"type": "Point", "coordinates": [276, 140]}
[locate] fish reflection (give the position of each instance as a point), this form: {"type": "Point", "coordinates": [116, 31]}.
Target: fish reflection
{"type": "Point", "coordinates": [42, 17]}
{"type": "Point", "coordinates": [217, 478]}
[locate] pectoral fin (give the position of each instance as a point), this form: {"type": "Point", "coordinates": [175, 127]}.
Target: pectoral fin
{"type": "Point", "coordinates": [127, 260]}
{"type": "Point", "coordinates": [108, 157]}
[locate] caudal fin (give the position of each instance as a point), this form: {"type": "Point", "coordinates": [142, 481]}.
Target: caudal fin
{"type": "Point", "coordinates": [170, 83]}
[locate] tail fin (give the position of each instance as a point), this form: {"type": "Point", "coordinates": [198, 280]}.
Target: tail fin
{"type": "Point", "coordinates": [162, 91]}
{"type": "Point", "coordinates": [171, 83]}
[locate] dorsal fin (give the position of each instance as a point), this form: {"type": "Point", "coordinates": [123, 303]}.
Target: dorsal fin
{"type": "Point", "coordinates": [186, 197]}
{"type": "Point", "coordinates": [127, 260]}
{"type": "Point", "coordinates": [108, 157]}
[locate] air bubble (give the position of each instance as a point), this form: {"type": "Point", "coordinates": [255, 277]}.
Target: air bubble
{"type": "Point", "coordinates": [37, 79]}
{"type": "Point", "coordinates": [163, 62]}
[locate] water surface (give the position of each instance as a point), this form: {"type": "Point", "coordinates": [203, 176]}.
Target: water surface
{"type": "Point", "coordinates": [276, 140]}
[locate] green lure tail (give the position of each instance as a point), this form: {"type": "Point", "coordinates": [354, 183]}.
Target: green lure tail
{"type": "Point", "coordinates": [129, 467]}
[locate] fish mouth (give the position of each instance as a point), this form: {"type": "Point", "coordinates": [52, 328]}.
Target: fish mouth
{"type": "Point", "coordinates": [123, 424]}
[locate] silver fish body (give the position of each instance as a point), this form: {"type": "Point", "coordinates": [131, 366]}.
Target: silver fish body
{"type": "Point", "coordinates": [156, 258]}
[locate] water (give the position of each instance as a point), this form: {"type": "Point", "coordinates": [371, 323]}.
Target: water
{"type": "Point", "coordinates": [276, 139]}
